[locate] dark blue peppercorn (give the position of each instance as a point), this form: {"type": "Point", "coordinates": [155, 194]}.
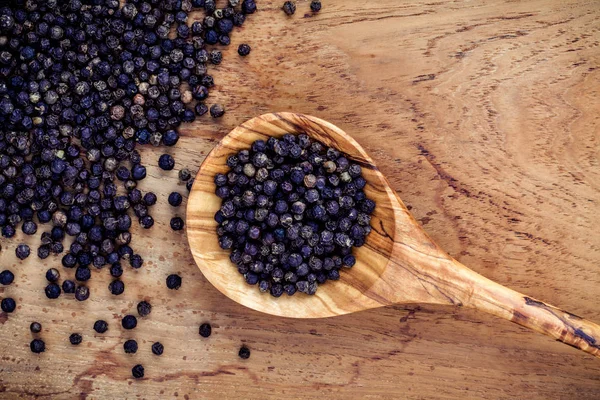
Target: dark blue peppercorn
{"type": "Point", "coordinates": [175, 199]}
{"type": "Point", "coordinates": [52, 291]}
{"type": "Point", "coordinates": [37, 346]}
{"type": "Point", "coordinates": [129, 322]}
{"type": "Point", "coordinates": [68, 286]}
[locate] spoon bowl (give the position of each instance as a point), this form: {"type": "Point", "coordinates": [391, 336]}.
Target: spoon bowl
{"type": "Point", "coordinates": [399, 263]}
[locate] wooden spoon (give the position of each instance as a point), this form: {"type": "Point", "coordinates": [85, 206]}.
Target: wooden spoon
{"type": "Point", "coordinates": [398, 264]}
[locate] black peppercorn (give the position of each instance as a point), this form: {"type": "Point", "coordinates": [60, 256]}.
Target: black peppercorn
{"type": "Point", "coordinates": [37, 346]}
{"type": "Point", "coordinates": [166, 162]}
{"type": "Point", "coordinates": [6, 277]}
{"type": "Point", "coordinates": [130, 346]}
{"type": "Point", "coordinates": [68, 286]}
{"type": "Point", "coordinates": [116, 287]}
{"type": "Point", "coordinates": [22, 251]}
{"type": "Point", "coordinates": [173, 281]}
{"type": "Point", "coordinates": [82, 293]}
{"type": "Point", "coordinates": [52, 291]}
{"type": "Point", "coordinates": [129, 322]}
{"type": "Point", "coordinates": [75, 339]}
{"type": "Point", "coordinates": [315, 5]}
{"type": "Point", "coordinates": [157, 348]}
{"type": "Point", "coordinates": [8, 305]}
{"type": "Point", "coordinates": [144, 308]}
{"type": "Point", "coordinates": [289, 7]}
{"type": "Point", "coordinates": [205, 330]}
{"type": "Point", "coordinates": [52, 275]}
{"type": "Point", "coordinates": [244, 353]}
{"type": "Point", "coordinates": [35, 327]}
{"type": "Point", "coordinates": [177, 223]}
{"type": "Point", "coordinates": [217, 111]}
{"type": "Point", "coordinates": [175, 199]}
{"type": "Point", "coordinates": [184, 175]}
{"type": "Point", "coordinates": [137, 371]}
{"type": "Point", "coordinates": [244, 49]}
{"type": "Point", "coordinates": [100, 326]}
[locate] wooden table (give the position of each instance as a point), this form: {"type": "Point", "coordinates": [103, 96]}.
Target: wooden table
{"type": "Point", "coordinates": [484, 116]}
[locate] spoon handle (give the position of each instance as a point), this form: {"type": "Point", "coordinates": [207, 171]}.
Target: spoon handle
{"type": "Point", "coordinates": [493, 298]}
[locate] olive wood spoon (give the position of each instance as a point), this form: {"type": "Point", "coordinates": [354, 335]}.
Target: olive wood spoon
{"type": "Point", "coordinates": [398, 264]}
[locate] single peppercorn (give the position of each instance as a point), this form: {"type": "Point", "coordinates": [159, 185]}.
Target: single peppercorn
{"type": "Point", "coordinates": [6, 277]}
{"type": "Point", "coordinates": [244, 49]}
{"type": "Point", "coordinates": [116, 287]}
{"type": "Point", "coordinates": [82, 293]}
{"type": "Point", "coordinates": [37, 346]}
{"type": "Point", "coordinates": [52, 291]}
{"type": "Point", "coordinates": [177, 223]}
{"type": "Point", "coordinates": [315, 6]}
{"type": "Point", "coordinates": [157, 348]}
{"type": "Point", "coordinates": [289, 7]}
{"type": "Point", "coordinates": [244, 353]}
{"type": "Point", "coordinates": [68, 286]}
{"type": "Point", "coordinates": [130, 346]}
{"type": "Point", "coordinates": [137, 371]}
{"type": "Point", "coordinates": [205, 330]}
{"type": "Point", "coordinates": [217, 111]}
{"type": "Point", "coordinates": [166, 162]}
{"type": "Point", "coordinates": [35, 327]}
{"type": "Point", "coordinates": [52, 275]}
{"type": "Point", "coordinates": [184, 175]}
{"type": "Point", "coordinates": [75, 339]}
{"type": "Point", "coordinates": [8, 305]}
{"type": "Point", "coordinates": [22, 251]}
{"type": "Point", "coordinates": [129, 322]}
{"type": "Point", "coordinates": [174, 281]}
{"type": "Point", "coordinates": [100, 326]}
{"type": "Point", "coordinates": [144, 308]}
{"type": "Point", "coordinates": [175, 199]}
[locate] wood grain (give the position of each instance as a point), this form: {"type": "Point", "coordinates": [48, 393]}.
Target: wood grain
{"type": "Point", "coordinates": [483, 115]}
{"type": "Point", "coordinates": [399, 263]}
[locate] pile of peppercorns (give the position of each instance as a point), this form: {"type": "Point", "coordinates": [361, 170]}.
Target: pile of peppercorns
{"type": "Point", "coordinates": [292, 211]}
{"type": "Point", "coordinates": [82, 82]}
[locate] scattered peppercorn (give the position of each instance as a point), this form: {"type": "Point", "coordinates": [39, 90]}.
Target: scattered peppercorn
{"type": "Point", "coordinates": [166, 162]}
{"type": "Point", "coordinates": [157, 348]}
{"type": "Point", "coordinates": [6, 277]}
{"type": "Point", "coordinates": [144, 308]}
{"type": "Point", "coordinates": [175, 199]}
{"type": "Point", "coordinates": [37, 346]}
{"type": "Point", "coordinates": [8, 305]}
{"type": "Point", "coordinates": [35, 327]}
{"type": "Point", "coordinates": [137, 371]}
{"type": "Point", "coordinates": [315, 6]}
{"type": "Point", "coordinates": [129, 322]}
{"type": "Point", "coordinates": [116, 287]}
{"type": "Point", "coordinates": [130, 346]}
{"type": "Point", "coordinates": [22, 251]}
{"type": "Point", "coordinates": [244, 49]}
{"type": "Point", "coordinates": [75, 339]}
{"type": "Point", "coordinates": [216, 111]}
{"type": "Point", "coordinates": [177, 223]}
{"type": "Point", "coordinates": [52, 275]}
{"type": "Point", "coordinates": [68, 286]}
{"type": "Point", "coordinates": [100, 326]}
{"type": "Point", "coordinates": [244, 353]}
{"type": "Point", "coordinates": [289, 7]}
{"type": "Point", "coordinates": [52, 291]}
{"type": "Point", "coordinates": [173, 281]}
{"type": "Point", "coordinates": [82, 293]}
{"type": "Point", "coordinates": [205, 330]}
{"type": "Point", "coordinates": [184, 175]}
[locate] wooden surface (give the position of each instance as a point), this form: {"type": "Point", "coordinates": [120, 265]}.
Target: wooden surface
{"type": "Point", "coordinates": [398, 264]}
{"type": "Point", "coordinates": [483, 115]}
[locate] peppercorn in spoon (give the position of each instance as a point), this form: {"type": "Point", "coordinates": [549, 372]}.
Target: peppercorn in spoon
{"type": "Point", "coordinates": [399, 263]}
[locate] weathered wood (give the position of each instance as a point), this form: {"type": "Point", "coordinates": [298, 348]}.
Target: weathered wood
{"type": "Point", "coordinates": [482, 115]}
{"type": "Point", "coordinates": [399, 263]}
